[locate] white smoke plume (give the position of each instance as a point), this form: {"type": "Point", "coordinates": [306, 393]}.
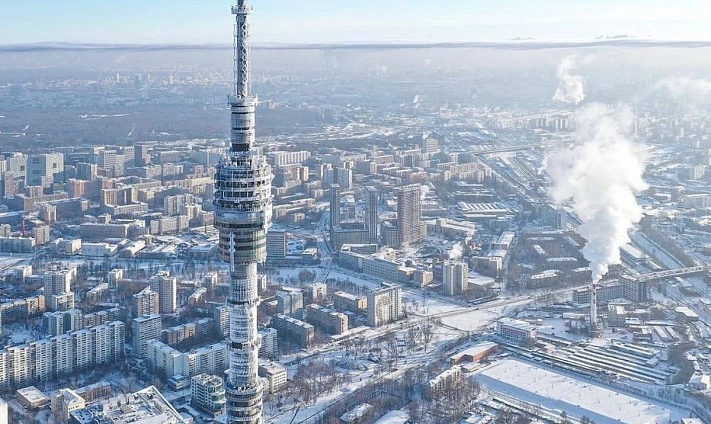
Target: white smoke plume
{"type": "Point", "coordinates": [571, 87]}
{"type": "Point", "coordinates": [600, 175]}
{"type": "Point", "coordinates": [685, 90]}
{"type": "Point", "coordinates": [456, 252]}
{"type": "Point", "coordinates": [424, 191]}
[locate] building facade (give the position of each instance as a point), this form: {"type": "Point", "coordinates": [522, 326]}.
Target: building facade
{"type": "Point", "coordinates": [384, 305]}
{"type": "Point", "coordinates": [208, 394]}
{"type": "Point", "coordinates": [145, 329]}
{"type": "Point", "coordinates": [455, 277]}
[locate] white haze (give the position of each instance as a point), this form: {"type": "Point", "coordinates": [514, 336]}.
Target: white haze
{"type": "Point", "coordinates": [570, 87]}
{"type": "Point", "coordinates": [685, 90]}
{"type": "Point", "coordinates": [599, 177]}
{"type": "Point", "coordinates": [456, 252]}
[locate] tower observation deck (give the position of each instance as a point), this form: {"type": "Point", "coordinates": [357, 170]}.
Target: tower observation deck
{"type": "Point", "coordinates": [243, 215]}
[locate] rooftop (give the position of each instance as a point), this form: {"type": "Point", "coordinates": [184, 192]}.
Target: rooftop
{"type": "Point", "coordinates": [147, 406]}
{"type": "Point", "coordinates": [535, 385]}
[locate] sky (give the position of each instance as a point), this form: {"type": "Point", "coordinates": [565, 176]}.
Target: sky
{"type": "Point", "coordinates": [336, 21]}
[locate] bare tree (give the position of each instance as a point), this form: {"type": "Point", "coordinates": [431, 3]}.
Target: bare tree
{"type": "Point", "coordinates": [427, 330]}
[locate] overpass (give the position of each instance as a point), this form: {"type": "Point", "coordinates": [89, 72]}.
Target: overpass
{"type": "Point", "coordinates": [669, 273]}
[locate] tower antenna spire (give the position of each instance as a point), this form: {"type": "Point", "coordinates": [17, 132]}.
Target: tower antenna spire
{"type": "Point", "coordinates": [243, 215]}
{"type": "Point", "coordinates": [241, 66]}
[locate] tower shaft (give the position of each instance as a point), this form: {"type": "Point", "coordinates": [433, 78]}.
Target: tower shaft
{"type": "Point", "coordinates": [243, 211]}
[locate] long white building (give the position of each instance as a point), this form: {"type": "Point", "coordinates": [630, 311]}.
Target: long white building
{"type": "Point", "coordinates": [61, 355]}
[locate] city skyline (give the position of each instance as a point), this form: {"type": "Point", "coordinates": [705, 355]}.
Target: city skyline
{"type": "Point", "coordinates": [403, 211]}
{"type": "Point", "coordinates": [323, 21]}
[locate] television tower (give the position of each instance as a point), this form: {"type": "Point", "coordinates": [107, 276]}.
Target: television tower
{"type": "Point", "coordinates": [243, 214]}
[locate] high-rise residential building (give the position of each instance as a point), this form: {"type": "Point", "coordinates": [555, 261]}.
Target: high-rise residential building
{"type": "Point", "coordinates": [335, 208]}
{"type": "Point", "coordinates": [290, 301]}
{"type": "Point", "coordinates": [409, 215]}
{"type": "Point", "coordinates": [41, 233]}
{"type": "Point", "coordinates": [58, 281]}
{"type": "Point", "coordinates": [17, 165]}
{"type": "Point", "coordinates": [64, 354]}
{"type": "Point", "coordinates": [59, 356]}
{"type": "Point", "coordinates": [455, 277]}
{"type": "Point", "coordinates": [61, 302]}
{"type": "Point", "coordinates": [174, 205]}
{"type": "Point", "coordinates": [7, 184]}
{"type": "Point", "coordinates": [221, 315]}
{"type": "Point", "coordinates": [429, 144]}
{"type": "Point", "coordinates": [47, 212]}
{"type": "Point", "coordinates": [107, 159]}
{"type": "Point", "coordinates": [208, 394]}
{"type": "Point", "coordinates": [145, 329]}
{"type": "Point", "coordinates": [87, 171]}
{"type": "Point", "coordinates": [371, 214]}
{"type": "Point", "coordinates": [60, 322]}
{"type": "Point", "coordinates": [276, 244]}
{"type": "Point", "coordinates": [243, 214]}
{"type": "Point", "coordinates": [42, 359]}
{"type": "Point", "coordinates": [20, 365]}
{"type": "Point", "coordinates": [167, 289]}
{"type": "Point", "coordinates": [270, 343]}
{"type": "Point", "coordinates": [344, 177]}
{"type": "Point", "coordinates": [141, 155]}
{"type": "Point", "coordinates": [42, 168]}
{"type": "Point", "coordinates": [384, 305]}
{"type": "Point", "coordinates": [145, 302]}
{"type": "Point", "coordinates": [83, 348]}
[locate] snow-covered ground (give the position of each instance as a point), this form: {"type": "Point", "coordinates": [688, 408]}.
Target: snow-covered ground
{"type": "Point", "coordinates": [394, 417]}
{"type": "Point", "coordinates": [554, 391]}
{"type": "Point", "coordinates": [19, 334]}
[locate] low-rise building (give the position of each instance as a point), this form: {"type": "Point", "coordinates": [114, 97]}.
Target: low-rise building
{"type": "Point", "coordinates": [515, 331]}
{"type": "Point", "coordinates": [146, 406]}
{"type": "Point", "coordinates": [31, 398]}
{"type": "Point", "coordinates": [275, 373]}
{"type": "Point", "coordinates": [328, 321]}
{"type": "Point", "coordinates": [295, 330]}
{"type": "Point", "coordinates": [350, 302]}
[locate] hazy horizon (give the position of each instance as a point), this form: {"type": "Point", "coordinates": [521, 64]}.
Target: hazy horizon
{"type": "Point", "coordinates": [339, 21]}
